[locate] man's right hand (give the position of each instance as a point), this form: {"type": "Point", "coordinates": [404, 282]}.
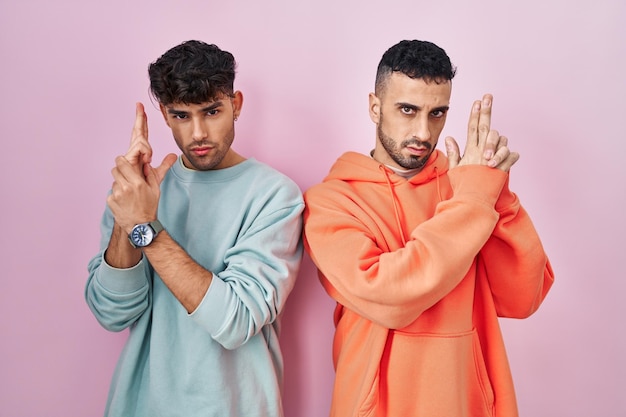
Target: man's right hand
{"type": "Point", "coordinates": [484, 146]}
{"type": "Point", "coordinates": [135, 191]}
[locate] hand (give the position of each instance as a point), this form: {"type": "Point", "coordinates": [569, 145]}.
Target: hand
{"type": "Point", "coordinates": [135, 191]}
{"type": "Point", "coordinates": [484, 146]}
{"type": "Point", "coordinates": [135, 195]}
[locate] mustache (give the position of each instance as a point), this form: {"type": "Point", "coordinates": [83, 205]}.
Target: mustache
{"type": "Point", "coordinates": [416, 142]}
{"type": "Point", "coordinates": [199, 144]}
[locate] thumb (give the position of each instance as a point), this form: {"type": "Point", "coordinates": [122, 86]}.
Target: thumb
{"type": "Point", "coordinates": [452, 150]}
{"type": "Point", "coordinates": [166, 164]}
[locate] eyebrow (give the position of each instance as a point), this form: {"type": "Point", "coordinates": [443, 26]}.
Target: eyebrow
{"type": "Point", "coordinates": [417, 108]}
{"type": "Point", "coordinates": [213, 106]}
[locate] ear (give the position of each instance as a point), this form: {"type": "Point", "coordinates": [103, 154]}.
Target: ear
{"type": "Point", "coordinates": [237, 103]}
{"type": "Point", "coordinates": [164, 113]}
{"type": "Point", "coordinates": [374, 107]}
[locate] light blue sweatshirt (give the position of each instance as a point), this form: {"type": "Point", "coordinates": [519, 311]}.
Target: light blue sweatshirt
{"type": "Point", "coordinates": [243, 224]}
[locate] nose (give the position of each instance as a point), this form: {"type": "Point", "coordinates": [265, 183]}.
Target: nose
{"type": "Point", "coordinates": [200, 131]}
{"type": "Point", "coordinates": [421, 128]}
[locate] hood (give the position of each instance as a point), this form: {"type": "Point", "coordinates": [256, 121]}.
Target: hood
{"type": "Point", "coordinates": [353, 166]}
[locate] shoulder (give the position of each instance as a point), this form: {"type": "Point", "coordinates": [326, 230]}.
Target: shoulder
{"type": "Point", "coordinates": [266, 179]}
{"type": "Point", "coordinates": [337, 196]}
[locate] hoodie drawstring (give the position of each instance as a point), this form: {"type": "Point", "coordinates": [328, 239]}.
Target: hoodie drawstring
{"type": "Point", "coordinates": [438, 185]}
{"type": "Point", "coordinates": [395, 204]}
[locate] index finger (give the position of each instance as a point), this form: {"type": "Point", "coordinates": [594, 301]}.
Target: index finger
{"type": "Point", "coordinates": [140, 128]}
{"type": "Point", "coordinates": [472, 125]}
{"type": "Point", "coordinates": [484, 126]}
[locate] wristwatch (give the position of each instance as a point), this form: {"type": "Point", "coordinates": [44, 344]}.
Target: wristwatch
{"type": "Point", "coordinates": [144, 233]}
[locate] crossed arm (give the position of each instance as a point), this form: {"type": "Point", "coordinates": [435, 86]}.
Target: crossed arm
{"type": "Point", "coordinates": [393, 287]}
{"type": "Point", "coordinates": [518, 270]}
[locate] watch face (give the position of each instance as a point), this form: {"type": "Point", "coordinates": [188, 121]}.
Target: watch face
{"type": "Point", "coordinates": [141, 235]}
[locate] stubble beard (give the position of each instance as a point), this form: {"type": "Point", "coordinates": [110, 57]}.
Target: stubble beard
{"type": "Point", "coordinates": [406, 162]}
{"type": "Point", "coordinates": [206, 163]}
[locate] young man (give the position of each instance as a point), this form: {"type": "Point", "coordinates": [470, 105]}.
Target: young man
{"type": "Point", "coordinates": [423, 253]}
{"type": "Point", "coordinates": [198, 255]}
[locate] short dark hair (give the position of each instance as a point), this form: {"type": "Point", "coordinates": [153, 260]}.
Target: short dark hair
{"type": "Point", "coordinates": [415, 59]}
{"type": "Point", "coordinates": [193, 72]}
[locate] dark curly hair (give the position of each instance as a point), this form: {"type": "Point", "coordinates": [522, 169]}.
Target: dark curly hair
{"type": "Point", "coordinates": [193, 72]}
{"type": "Point", "coordinates": [415, 59]}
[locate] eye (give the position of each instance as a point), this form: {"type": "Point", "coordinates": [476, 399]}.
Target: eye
{"type": "Point", "coordinates": [407, 110]}
{"type": "Point", "coordinates": [212, 112]}
{"type": "Point", "coordinates": [179, 116]}
{"type": "Point", "coordinates": [438, 113]}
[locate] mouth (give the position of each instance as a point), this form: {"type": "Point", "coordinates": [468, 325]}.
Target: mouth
{"type": "Point", "coordinates": [201, 150]}
{"type": "Point", "coordinates": [418, 150]}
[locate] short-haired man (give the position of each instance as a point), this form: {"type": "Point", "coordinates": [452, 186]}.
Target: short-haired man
{"type": "Point", "coordinates": [423, 253]}
{"type": "Point", "coordinates": [198, 255]}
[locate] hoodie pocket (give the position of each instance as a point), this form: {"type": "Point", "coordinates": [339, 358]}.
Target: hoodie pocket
{"type": "Point", "coordinates": [435, 375]}
{"type": "Point", "coordinates": [482, 375]}
{"type": "Point", "coordinates": [369, 406]}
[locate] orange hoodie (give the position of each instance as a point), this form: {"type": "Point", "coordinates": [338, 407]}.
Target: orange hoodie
{"type": "Point", "coordinates": [421, 269]}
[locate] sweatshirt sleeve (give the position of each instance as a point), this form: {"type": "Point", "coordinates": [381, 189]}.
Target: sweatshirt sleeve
{"type": "Point", "coordinates": [393, 287]}
{"type": "Point", "coordinates": [516, 265]}
{"type": "Point", "coordinates": [117, 297]}
{"type": "Point", "coordinates": [261, 271]}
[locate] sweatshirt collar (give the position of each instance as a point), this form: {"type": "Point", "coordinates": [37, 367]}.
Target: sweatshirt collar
{"type": "Point", "coordinates": [180, 171]}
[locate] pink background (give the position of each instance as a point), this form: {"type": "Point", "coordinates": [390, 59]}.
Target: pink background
{"type": "Point", "coordinates": [71, 71]}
